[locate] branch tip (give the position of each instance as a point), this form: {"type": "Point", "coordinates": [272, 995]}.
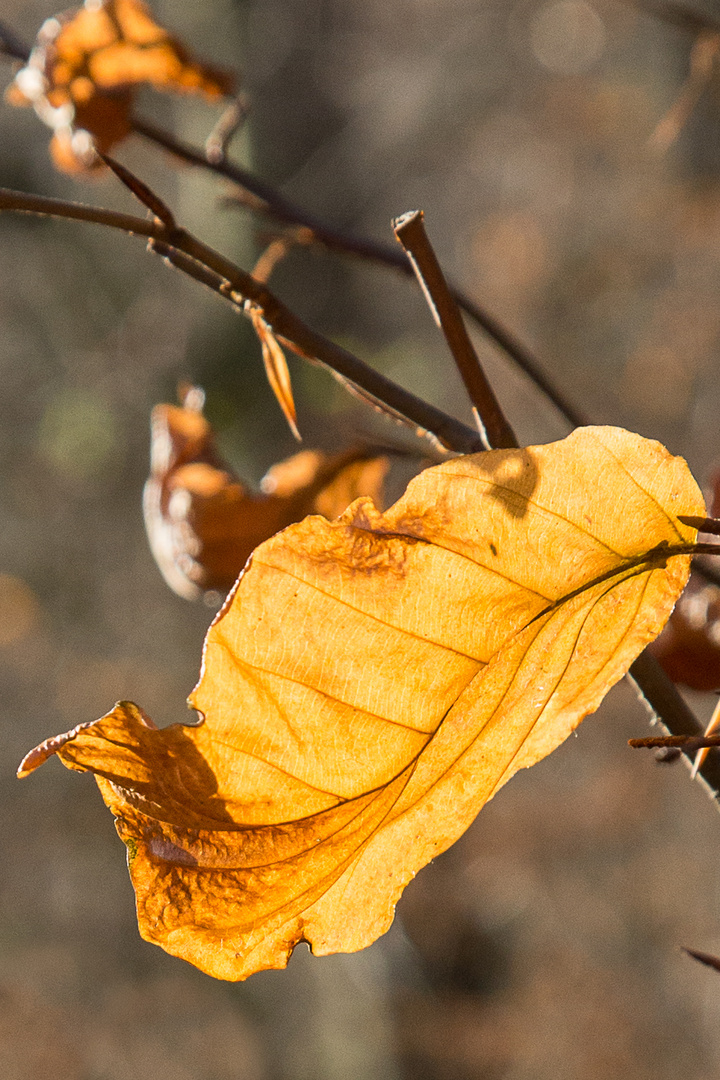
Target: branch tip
{"type": "Point", "coordinates": [704, 958]}
{"type": "Point", "coordinates": [410, 231]}
{"type": "Point", "coordinates": [141, 191]}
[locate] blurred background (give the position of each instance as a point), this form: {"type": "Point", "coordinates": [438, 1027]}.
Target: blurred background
{"type": "Point", "coordinates": [546, 944]}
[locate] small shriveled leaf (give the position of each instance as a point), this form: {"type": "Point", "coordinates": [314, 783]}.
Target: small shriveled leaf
{"type": "Point", "coordinates": [689, 646]}
{"type": "Point", "coordinates": [373, 681]}
{"type": "Point", "coordinates": [202, 521]}
{"type": "Point", "coordinates": [86, 66]}
{"type": "Point", "coordinates": [276, 370]}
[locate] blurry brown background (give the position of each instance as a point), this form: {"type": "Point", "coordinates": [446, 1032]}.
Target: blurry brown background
{"type": "Point", "coordinates": [544, 945]}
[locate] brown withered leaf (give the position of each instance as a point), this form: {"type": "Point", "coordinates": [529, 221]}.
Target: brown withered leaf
{"type": "Point", "coordinates": [203, 522]}
{"type": "Point", "coordinates": [276, 369]}
{"type": "Point", "coordinates": [373, 681]}
{"type": "Point", "coordinates": [689, 646]}
{"type": "Point", "coordinates": [84, 70]}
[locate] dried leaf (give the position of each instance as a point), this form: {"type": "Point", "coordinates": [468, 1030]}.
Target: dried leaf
{"type": "Point", "coordinates": [202, 521]}
{"type": "Point", "coordinates": [374, 680]}
{"type": "Point", "coordinates": [85, 68]}
{"type": "Point", "coordinates": [276, 370]}
{"type": "Point", "coordinates": [689, 646]}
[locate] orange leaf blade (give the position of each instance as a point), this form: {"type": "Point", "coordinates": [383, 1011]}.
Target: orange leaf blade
{"type": "Point", "coordinates": [373, 681]}
{"type": "Point", "coordinates": [203, 523]}
{"type": "Point", "coordinates": [276, 369]}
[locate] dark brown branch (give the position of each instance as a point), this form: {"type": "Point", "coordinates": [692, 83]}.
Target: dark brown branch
{"type": "Point", "coordinates": [704, 958]}
{"type": "Point", "coordinates": [45, 206]}
{"type": "Point", "coordinates": [240, 287]}
{"type": "Point", "coordinates": [705, 525]}
{"type": "Point", "coordinates": [668, 705]}
{"type": "Point", "coordinates": [142, 193]}
{"type": "Point", "coordinates": [689, 743]}
{"type": "Point", "coordinates": [11, 45]}
{"type": "Point", "coordinates": [266, 199]}
{"type": "Point", "coordinates": [223, 277]}
{"type": "Point", "coordinates": [232, 119]}
{"type": "Point", "coordinates": [410, 231]}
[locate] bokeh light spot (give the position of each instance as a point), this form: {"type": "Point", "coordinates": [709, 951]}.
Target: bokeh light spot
{"type": "Point", "coordinates": [19, 609]}
{"type": "Point", "coordinates": [78, 433]}
{"type": "Point", "coordinates": [567, 36]}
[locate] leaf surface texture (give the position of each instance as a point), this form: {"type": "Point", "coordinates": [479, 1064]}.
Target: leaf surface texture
{"type": "Point", "coordinates": [374, 680]}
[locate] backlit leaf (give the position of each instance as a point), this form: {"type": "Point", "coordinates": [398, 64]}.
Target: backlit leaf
{"type": "Point", "coordinates": [689, 646]}
{"type": "Point", "coordinates": [276, 370]}
{"type": "Point", "coordinates": [373, 681]}
{"type": "Point", "coordinates": [203, 522]}
{"type": "Point", "coordinates": [85, 67]}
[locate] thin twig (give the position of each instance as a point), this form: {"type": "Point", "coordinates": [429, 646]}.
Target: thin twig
{"type": "Point", "coordinates": [11, 45]}
{"type": "Point", "coordinates": [703, 57]}
{"type": "Point", "coordinates": [705, 958]}
{"type": "Point", "coordinates": [240, 288]}
{"type": "Point", "coordinates": [690, 743]}
{"type": "Point", "coordinates": [410, 231]}
{"type": "Point", "coordinates": [273, 254]}
{"type": "Point", "coordinates": [142, 193]}
{"type": "Point", "coordinates": [268, 200]}
{"type": "Point", "coordinates": [232, 119]}
{"type": "Point", "coordinates": [702, 524]}
{"type": "Point", "coordinates": [277, 250]}
{"type": "Point", "coordinates": [665, 701]}
{"type": "Point", "coordinates": [711, 729]}
{"type": "Point", "coordinates": [201, 263]}
{"type": "Point", "coordinates": [45, 206]}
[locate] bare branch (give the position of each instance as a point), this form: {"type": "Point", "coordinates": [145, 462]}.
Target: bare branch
{"type": "Point", "coordinates": [704, 525]}
{"type": "Point", "coordinates": [703, 58]}
{"type": "Point", "coordinates": [410, 231]}
{"type": "Point", "coordinates": [45, 206]}
{"type": "Point", "coordinates": [228, 125]}
{"type": "Point", "coordinates": [141, 192]}
{"type": "Point", "coordinates": [705, 958]}
{"type": "Point", "coordinates": [11, 45]}
{"type": "Point", "coordinates": [276, 251]}
{"type": "Point", "coordinates": [239, 287]}
{"type": "Point", "coordinates": [264, 198]}
{"type": "Point", "coordinates": [689, 743]}
{"type": "Point", "coordinates": [213, 270]}
{"type": "Point", "coordinates": [668, 705]}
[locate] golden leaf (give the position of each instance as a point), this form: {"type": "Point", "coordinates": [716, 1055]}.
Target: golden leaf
{"type": "Point", "coordinates": [85, 67]}
{"type": "Point", "coordinates": [202, 521]}
{"type": "Point", "coordinates": [373, 681]}
{"type": "Point", "coordinates": [276, 369]}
